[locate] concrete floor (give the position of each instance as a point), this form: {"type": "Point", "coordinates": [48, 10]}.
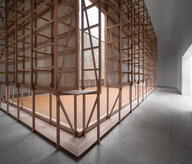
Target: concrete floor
{"type": "Point", "coordinates": [159, 131]}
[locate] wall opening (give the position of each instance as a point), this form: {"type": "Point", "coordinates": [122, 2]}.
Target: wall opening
{"type": "Point", "coordinates": [187, 72]}
{"type": "Point", "coordinates": [93, 19]}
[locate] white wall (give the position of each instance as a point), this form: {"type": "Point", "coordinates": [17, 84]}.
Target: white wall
{"type": "Point", "coordinates": [179, 73]}
{"type": "Point", "coordinates": [167, 68]}
{"type": "Point", "coordinates": [173, 26]}
{"type": "Point", "coordinates": [186, 41]}
{"type": "Point", "coordinates": [186, 76]}
{"type": "Point", "coordinates": [184, 82]}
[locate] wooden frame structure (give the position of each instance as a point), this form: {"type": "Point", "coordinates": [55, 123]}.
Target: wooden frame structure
{"type": "Point", "coordinates": [42, 49]}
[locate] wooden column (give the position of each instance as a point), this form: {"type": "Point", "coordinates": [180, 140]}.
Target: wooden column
{"type": "Point", "coordinates": [120, 61]}
{"type": "Point", "coordinates": [143, 53]}
{"type": "Point", "coordinates": [16, 45]}
{"type": "Point", "coordinates": [35, 54]}
{"type": "Point", "coordinates": [139, 56]}
{"type": "Point", "coordinates": [77, 45]}
{"type": "Point", "coordinates": [106, 63]}
{"type": "Point", "coordinates": [107, 102]}
{"type": "Point", "coordinates": [13, 93]}
{"type": "Point", "coordinates": [98, 118]}
{"type": "Point", "coordinates": [50, 108]}
{"type": "Point", "coordinates": [82, 44]}
{"type": "Point", "coordinates": [6, 55]}
{"type": "Point", "coordinates": [21, 98]}
{"type": "Point", "coordinates": [55, 45]}
{"type": "Point", "coordinates": [31, 43]}
{"type": "Point", "coordinates": [32, 62]}
{"type": "Point", "coordinates": [58, 121]}
{"type": "Point", "coordinates": [99, 77]}
{"type": "Point", "coordinates": [132, 56]}
{"type": "Point", "coordinates": [120, 103]}
{"type": "Point", "coordinates": [75, 114]}
{"type": "Point", "coordinates": [0, 96]}
{"type": "Point", "coordinates": [7, 97]}
{"type": "Point", "coordinates": [18, 103]}
{"type": "Point", "coordinates": [84, 113]}
{"type": "Point", "coordinates": [33, 110]}
{"type": "Point", "coordinates": [52, 47]}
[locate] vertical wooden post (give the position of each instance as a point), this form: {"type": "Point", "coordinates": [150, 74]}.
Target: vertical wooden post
{"type": "Point", "coordinates": [84, 113]}
{"type": "Point", "coordinates": [50, 108]}
{"type": "Point", "coordinates": [22, 98]}
{"type": "Point", "coordinates": [35, 73]}
{"type": "Point", "coordinates": [33, 110]}
{"type": "Point", "coordinates": [31, 43]}
{"type": "Point", "coordinates": [13, 93]}
{"type": "Point", "coordinates": [138, 94]}
{"type": "Point", "coordinates": [139, 56]}
{"type": "Point", "coordinates": [7, 97]}
{"type": "Point", "coordinates": [52, 47]}
{"type": "Point", "coordinates": [143, 54]}
{"type": "Point", "coordinates": [18, 104]}
{"type": "Point", "coordinates": [132, 55]}
{"type": "Point", "coordinates": [55, 45]}
{"type": "Point", "coordinates": [120, 60]}
{"type": "Point", "coordinates": [106, 63]}
{"type": "Point", "coordinates": [130, 97]}
{"type": "Point", "coordinates": [82, 45]}
{"type": "Point", "coordinates": [16, 46]}
{"type": "Point", "coordinates": [120, 103]}
{"type": "Point", "coordinates": [75, 115]}
{"type": "Point", "coordinates": [58, 120]}
{"type": "Point", "coordinates": [6, 44]}
{"type": "Point", "coordinates": [107, 102]}
{"type": "Point", "coordinates": [147, 87]}
{"type": "Point", "coordinates": [32, 63]}
{"type": "Point", "coordinates": [0, 96]}
{"type": "Point", "coordinates": [23, 49]}
{"type": "Point", "coordinates": [77, 44]}
{"type": "Point", "coordinates": [99, 80]}
{"type": "Point", "coordinates": [98, 118]}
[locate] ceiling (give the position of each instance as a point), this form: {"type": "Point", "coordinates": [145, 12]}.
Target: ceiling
{"type": "Point", "coordinates": [169, 18]}
{"type": "Point", "coordinates": [172, 21]}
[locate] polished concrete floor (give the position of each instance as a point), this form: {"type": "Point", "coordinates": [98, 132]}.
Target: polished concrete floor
{"type": "Point", "coordinates": [159, 131]}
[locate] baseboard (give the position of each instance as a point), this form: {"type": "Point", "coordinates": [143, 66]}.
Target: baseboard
{"type": "Point", "coordinates": [160, 86]}
{"type": "Point", "coordinates": [179, 92]}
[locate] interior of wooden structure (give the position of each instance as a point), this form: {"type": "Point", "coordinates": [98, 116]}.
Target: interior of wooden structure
{"type": "Point", "coordinates": [53, 68]}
